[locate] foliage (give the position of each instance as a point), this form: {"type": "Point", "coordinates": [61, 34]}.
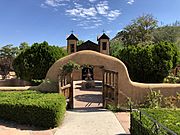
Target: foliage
{"type": "Point", "coordinates": [170, 102]}
{"type": "Point", "coordinates": [23, 46]}
{"type": "Point", "coordinates": [168, 117]}
{"type": "Point", "coordinates": [121, 108]}
{"type": "Point", "coordinates": [34, 62]}
{"type": "Point", "coordinates": [7, 55]}
{"type": "Point", "coordinates": [140, 30]}
{"type": "Point", "coordinates": [171, 78]}
{"type": "Point", "coordinates": [68, 68]}
{"type": "Point", "coordinates": [33, 108]}
{"type": "Point", "coordinates": [80, 42]}
{"type": "Point", "coordinates": [149, 63]}
{"type": "Point", "coordinates": [153, 99]}
{"type": "Point", "coordinates": [115, 48]}
{"type": "Point", "coordinates": [166, 33]}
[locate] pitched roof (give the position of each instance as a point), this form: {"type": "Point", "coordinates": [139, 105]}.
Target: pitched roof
{"type": "Point", "coordinates": [104, 36]}
{"type": "Point", "coordinates": [72, 37]}
{"type": "Point", "coordinates": [88, 45]}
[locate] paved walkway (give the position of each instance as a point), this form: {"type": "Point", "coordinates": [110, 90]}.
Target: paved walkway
{"type": "Point", "coordinates": [92, 121]}
{"type": "Point", "coordinates": [88, 117]}
{"type": "Point", "coordinates": [85, 98]}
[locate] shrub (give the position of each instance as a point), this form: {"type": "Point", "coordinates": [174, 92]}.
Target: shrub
{"type": "Point", "coordinates": [171, 78]}
{"type": "Point", "coordinates": [33, 108]}
{"type": "Point", "coordinates": [34, 62]}
{"type": "Point", "coordinates": [149, 63]}
{"type": "Point", "coordinates": [153, 99]}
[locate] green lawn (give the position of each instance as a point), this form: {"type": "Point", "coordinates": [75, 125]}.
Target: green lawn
{"type": "Point", "coordinates": [170, 118]}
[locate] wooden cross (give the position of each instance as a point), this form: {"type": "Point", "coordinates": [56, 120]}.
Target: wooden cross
{"type": "Point", "coordinates": [103, 31]}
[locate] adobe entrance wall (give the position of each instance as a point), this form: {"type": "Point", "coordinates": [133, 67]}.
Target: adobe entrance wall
{"type": "Point", "coordinates": [136, 91]}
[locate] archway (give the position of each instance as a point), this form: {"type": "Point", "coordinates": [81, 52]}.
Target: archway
{"type": "Point", "coordinates": [113, 67]}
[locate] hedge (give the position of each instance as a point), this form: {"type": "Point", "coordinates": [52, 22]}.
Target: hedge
{"type": "Point", "coordinates": [167, 117]}
{"type": "Point", "coordinates": [33, 108]}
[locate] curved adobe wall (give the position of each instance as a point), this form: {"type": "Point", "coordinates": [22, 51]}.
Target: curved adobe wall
{"type": "Point", "coordinates": [136, 91]}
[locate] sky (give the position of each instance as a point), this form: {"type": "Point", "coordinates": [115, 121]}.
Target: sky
{"type": "Point", "coordinates": [34, 21]}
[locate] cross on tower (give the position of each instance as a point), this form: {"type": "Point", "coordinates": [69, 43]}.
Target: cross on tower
{"type": "Point", "coordinates": [72, 31]}
{"type": "Point", "coordinates": [103, 31]}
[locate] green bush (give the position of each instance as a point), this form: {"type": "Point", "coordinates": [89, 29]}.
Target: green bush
{"type": "Point", "coordinates": [168, 117]}
{"type": "Point", "coordinates": [150, 63]}
{"type": "Point", "coordinates": [153, 99]}
{"type": "Point", "coordinates": [171, 78]}
{"type": "Point", "coordinates": [33, 108]}
{"type": "Point", "coordinates": [34, 62]}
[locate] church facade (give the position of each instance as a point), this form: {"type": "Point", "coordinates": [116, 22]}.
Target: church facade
{"type": "Point", "coordinates": [102, 46]}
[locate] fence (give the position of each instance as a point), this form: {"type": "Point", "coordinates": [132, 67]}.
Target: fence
{"type": "Point", "coordinates": [151, 127]}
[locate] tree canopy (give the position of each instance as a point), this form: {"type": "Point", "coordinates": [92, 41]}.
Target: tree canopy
{"type": "Point", "coordinates": [34, 62]}
{"type": "Point", "coordinates": [7, 55]}
{"type": "Point", "coordinates": [140, 30]}
{"type": "Point", "coordinates": [149, 63]}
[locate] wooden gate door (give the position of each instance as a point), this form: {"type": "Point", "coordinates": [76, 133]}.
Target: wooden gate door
{"type": "Point", "coordinates": [110, 88]}
{"type": "Point", "coordinates": [66, 88]}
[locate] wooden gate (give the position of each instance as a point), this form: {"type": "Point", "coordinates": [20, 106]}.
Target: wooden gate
{"type": "Point", "coordinates": [66, 88]}
{"type": "Point", "coordinates": [110, 88]}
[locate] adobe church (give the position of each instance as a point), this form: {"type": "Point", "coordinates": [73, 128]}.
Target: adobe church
{"type": "Point", "coordinates": [94, 70]}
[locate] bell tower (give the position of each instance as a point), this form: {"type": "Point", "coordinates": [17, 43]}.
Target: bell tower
{"type": "Point", "coordinates": [72, 44]}
{"type": "Point", "coordinates": [104, 44]}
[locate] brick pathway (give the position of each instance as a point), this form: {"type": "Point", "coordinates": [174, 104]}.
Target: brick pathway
{"type": "Point", "coordinates": [124, 119]}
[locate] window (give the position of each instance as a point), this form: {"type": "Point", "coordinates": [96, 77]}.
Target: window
{"type": "Point", "coordinates": [72, 48]}
{"type": "Point", "coordinates": [104, 45]}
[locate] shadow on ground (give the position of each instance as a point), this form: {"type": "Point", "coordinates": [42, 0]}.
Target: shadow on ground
{"type": "Point", "coordinates": [11, 124]}
{"type": "Point", "coordinates": [88, 109]}
{"type": "Point", "coordinates": [92, 98]}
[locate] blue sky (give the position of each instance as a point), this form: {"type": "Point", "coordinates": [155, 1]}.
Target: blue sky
{"type": "Point", "coordinates": [52, 20]}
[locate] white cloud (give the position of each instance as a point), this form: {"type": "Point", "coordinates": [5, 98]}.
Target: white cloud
{"type": "Point", "coordinates": [102, 7]}
{"type": "Point", "coordinates": [130, 2]}
{"type": "Point", "coordinates": [88, 14]}
{"type": "Point", "coordinates": [92, 0]}
{"type": "Point", "coordinates": [112, 15]}
{"type": "Point", "coordinates": [82, 12]}
{"type": "Point", "coordinates": [55, 3]}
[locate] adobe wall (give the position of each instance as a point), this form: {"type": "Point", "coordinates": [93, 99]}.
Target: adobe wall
{"type": "Point", "coordinates": [136, 91]}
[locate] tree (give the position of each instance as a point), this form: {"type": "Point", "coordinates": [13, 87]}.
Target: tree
{"type": "Point", "coordinates": [166, 33]}
{"type": "Point", "coordinates": [23, 46]}
{"type": "Point", "coordinates": [150, 63]}
{"type": "Point", "coordinates": [115, 47]}
{"type": "Point", "coordinates": [140, 30]}
{"type": "Point", "coordinates": [34, 62]}
{"type": "Point", "coordinates": [80, 42]}
{"type": "Point", "coordinates": [7, 55]}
